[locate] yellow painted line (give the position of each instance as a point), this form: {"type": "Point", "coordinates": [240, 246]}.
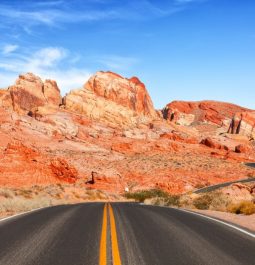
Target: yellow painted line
{"type": "Point", "coordinates": [103, 242]}
{"type": "Point", "coordinates": [114, 239]}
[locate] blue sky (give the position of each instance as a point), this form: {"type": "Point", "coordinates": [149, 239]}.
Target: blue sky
{"type": "Point", "coordinates": [180, 49]}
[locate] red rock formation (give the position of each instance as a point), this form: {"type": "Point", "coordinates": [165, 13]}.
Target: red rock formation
{"type": "Point", "coordinates": [204, 111]}
{"type": "Point", "coordinates": [5, 99]}
{"type": "Point", "coordinates": [212, 144]}
{"type": "Point", "coordinates": [63, 171]}
{"type": "Point", "coordinates": [243, 123]}
{"type": "Point", "coordinates": [241, 148]}
{"type": "Point", "coordinates": [112, 99]}
{"type": "Point", "coordinates": [21, 165]}
{"type": "Point", "coordinates": [110, 127]}
{"type": "Point", "coordinates": [130, 93]}
{"type": "Point", "coordinates": [30, 92]}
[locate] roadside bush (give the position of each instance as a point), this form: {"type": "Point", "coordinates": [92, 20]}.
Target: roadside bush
{"type": "Point", "coordinates": [244, 207]}
{"type": "Point", "coordinates": [6, 193]}
{"type": "Point", "coordinates": [203, 202]}
{"type": "Point", "coordinates": [173, 200]}
{"type": "Point", "coordinates": [141, 196]}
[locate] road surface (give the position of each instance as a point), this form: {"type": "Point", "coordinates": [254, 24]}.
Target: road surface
{"type": "Point", "coordinates": [120, 233]}
{"type": "Point", "coordinates": [250, 164]}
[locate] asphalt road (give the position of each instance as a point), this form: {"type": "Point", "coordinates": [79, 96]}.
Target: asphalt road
{"type": "Point", "coordinates": [250, 164]}
{"type": "Point", "coordinates": [80, 234]}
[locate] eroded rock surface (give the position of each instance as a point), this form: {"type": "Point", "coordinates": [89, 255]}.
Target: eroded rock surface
{"type": "Point", "coordinates": [111, 127]}
{"type": "Point", "coordinates": [113, 99]}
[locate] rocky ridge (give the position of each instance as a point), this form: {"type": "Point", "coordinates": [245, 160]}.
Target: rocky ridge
{"type": "Point", "coordinates": [110, 132]}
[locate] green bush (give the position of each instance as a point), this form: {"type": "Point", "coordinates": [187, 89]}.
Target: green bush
{"type": "Point", "coordinates": [141, 196]}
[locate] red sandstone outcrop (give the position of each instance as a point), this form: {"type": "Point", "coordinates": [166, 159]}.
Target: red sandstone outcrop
{"type": "Point", "coordinates": [30, 92]}
{"type": "Point", "coordinates": [5, 99]}
{"type": "Point", "coordinates": [63, 171]}
{"type": "Point", "coordinates": [110, 98]}
{"type": "Point", "coordinates": [130, 93]}
{"type": "Point", "coordinates": [88, 134]}
{"type": "Point", "coordinates": [186, 113]}
{"type": "Point", "coordinates": [239, 192]}
{"type": "Point", "coordinates": [241, 148]}
{"type": "Point", "coordinates": [213, 144]}
{"type": "Point", "coordinates": [21, 165]}
{"type": "Point", "coordinates": [243, 123]}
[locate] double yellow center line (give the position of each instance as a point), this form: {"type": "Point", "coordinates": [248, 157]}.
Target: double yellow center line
{"type": "Point", "coordinates": [114, 240]}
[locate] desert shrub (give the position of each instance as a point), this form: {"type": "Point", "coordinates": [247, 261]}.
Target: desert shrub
{"type": "Point", "coordinates": [244, 207]}
{"type": "Point", "coordinates": [26, 193]}
{"type": "Point", "coordinates": [203, 202]}
{"type": "Point", "coordinates": [219, 201]}
{"type": "Point", "coordinates": [173, 200]}
{"type": "Point", "coordinates": [20, 204]}
{"type": "Point", "coordinates": [141, 196]}
{"type": "Point", "coordinates": [6, 193]}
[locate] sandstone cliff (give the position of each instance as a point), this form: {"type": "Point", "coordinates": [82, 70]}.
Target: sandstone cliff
{"type": "Point", "coordinates": [113, 99]}
{"type": "Point", "coordinates": [110, 130]}
{"type": "Point", "coordinates": [30, 92]}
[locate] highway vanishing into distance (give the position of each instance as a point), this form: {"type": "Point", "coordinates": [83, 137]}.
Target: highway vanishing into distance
{"type": "Point", "coordinates": [225, 184]}
{"type": "Point", "coordinates": [121, 233]}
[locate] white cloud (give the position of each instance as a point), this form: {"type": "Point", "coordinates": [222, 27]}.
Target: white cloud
{"type": "Point", "coordinates": [67, 79]}
{"type": "Point", "coordinates": [9, 48]}
{"type": "Point", "coordinates": [46, 63]}
{"type": "Point", "coordinates": [47, 57]}
{"type": "Point", "coordinates": [58, 64]}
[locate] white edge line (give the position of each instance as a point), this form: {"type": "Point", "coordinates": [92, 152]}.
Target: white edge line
{"type": "Point", "coordinates": [18, 214]}
{"type": "Point", "coordinates": [210, 218]}
{"type": "Point", "coordinates": [221, 222]}
{"type": "Point", "coordinates": [33, 210]}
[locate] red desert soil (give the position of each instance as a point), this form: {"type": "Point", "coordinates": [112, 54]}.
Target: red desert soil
{"type": "Point", "coordinates": [108, 136]}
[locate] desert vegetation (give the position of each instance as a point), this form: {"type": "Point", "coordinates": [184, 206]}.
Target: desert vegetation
{"type": "Point", "coordinates": [16, 200]}
{"type": "Point", "coordinates": [237, 199]}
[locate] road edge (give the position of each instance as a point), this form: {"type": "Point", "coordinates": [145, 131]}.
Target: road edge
{"type": "Point", "coordinates": [231, 225]}
{"type": "Point", "coordinates": [23, 213]}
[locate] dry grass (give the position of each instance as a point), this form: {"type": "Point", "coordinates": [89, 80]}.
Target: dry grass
{"type": "Point", "coordinates": [244, 207]}
{"type": "Point", "coordinates": [203, 202]}
{"type": "Point", "coordinates": [216, 201]}
{"type": "Point", "coordinates": [21, 200]}
{"type": "Point", "coordinates": [19, 204]}
{"type": "Point", "coordinates": [6, 193]}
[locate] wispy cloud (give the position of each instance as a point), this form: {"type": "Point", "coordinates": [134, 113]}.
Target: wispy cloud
{"type": "Point", "coordinates": [183, 2]}
{"type": "Point", "coordinates": [47, 63]}
{"type": "Point", "coordinates": [55, 13]}
{"type": "Point", "coordinates": [9, 48]}
{"type": "Point", "coordinates": [117, 62]}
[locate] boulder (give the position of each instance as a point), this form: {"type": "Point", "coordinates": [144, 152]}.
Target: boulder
{"type": "Point", "coordinates": [241, 148]}
{"type": "Point", "coordinates": [212, 144]}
